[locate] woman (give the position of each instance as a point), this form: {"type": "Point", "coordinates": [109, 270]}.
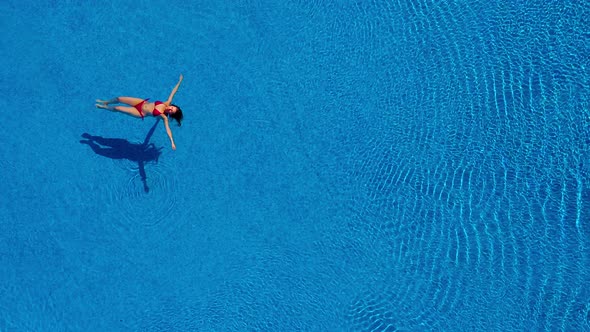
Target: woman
{"type": "Point", "coordinates": [140, 107]}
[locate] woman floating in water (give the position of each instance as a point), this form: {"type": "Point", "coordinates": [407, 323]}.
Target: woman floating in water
{"type": "Point", "coordinates": [140, 107]}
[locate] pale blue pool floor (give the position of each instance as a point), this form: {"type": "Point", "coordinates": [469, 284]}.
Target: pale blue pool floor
{"type": "Point", "coordinates": [397, 166]}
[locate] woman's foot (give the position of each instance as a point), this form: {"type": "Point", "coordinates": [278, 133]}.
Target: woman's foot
{"type": "Point", "coordinates": [106, 107]}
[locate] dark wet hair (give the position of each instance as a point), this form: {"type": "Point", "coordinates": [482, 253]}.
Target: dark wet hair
{"type": "Point", "coordinates": [178, 115]}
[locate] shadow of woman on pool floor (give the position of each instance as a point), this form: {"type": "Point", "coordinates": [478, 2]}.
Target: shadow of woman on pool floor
{"type": "Point", "coordinates": [119, 148]}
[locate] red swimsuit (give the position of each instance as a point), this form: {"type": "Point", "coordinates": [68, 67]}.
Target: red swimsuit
{"type": "Point", "coordinates": [155, 112]}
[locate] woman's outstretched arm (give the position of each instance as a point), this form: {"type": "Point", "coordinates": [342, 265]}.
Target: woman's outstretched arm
{"type": "Point", "coordinates": [168, 131]}
{"type": "Point", "coordinates": [169, 101]}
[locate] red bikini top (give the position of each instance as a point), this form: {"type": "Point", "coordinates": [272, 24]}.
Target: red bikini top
{"type": "Point", "coordinates": [156, 112]}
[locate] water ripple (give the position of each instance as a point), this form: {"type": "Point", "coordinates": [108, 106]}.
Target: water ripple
{"type": "Point", "coordinates": [147, 202]}
{"type": "Point", "coordinates": [477, 186]}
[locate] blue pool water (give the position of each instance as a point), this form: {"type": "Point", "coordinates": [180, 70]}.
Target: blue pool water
{"type": "Point", "coordinates": [343, 166]}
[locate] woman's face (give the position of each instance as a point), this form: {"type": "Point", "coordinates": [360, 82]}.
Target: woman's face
{"type": "Point", "coordinates": [172, 109]}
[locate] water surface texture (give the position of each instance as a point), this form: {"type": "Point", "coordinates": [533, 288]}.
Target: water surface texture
{"type": "Point", "coordinates": [343, 166]}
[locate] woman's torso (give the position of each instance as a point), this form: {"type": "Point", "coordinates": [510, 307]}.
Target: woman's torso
{"type": "Point", "coordinates": [154, 109]}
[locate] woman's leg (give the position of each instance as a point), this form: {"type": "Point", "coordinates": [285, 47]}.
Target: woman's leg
{"type": "Point", "coordinates": [106, 102]}
{"type": "Point", "coordinates": [131, 101]}
{"type": "Point", "coordinates": [123, 109]}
